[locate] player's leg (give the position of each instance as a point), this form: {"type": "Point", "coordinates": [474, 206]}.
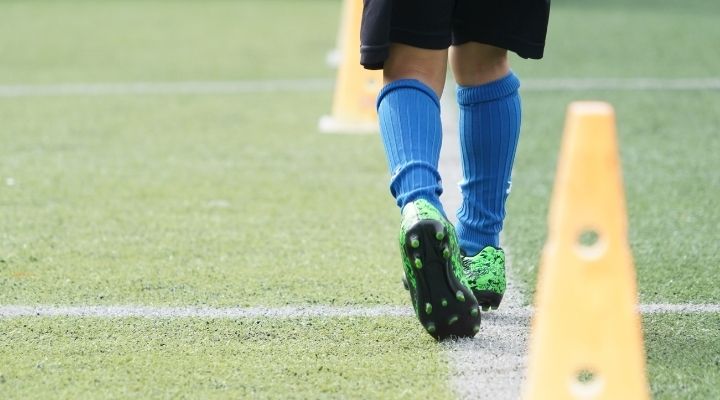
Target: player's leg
{"type": "Point", "coordinates": [409, 114]}
{"type": "Point", "coordinates": [475, 64]}
{"type": "Point", "coordinates": [490, 115]}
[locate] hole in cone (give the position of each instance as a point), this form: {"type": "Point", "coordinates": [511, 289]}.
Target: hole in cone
{"type": "Point", "coordinates": [590, 244]}
{"type": "Point", "coordinates": [586, 384]}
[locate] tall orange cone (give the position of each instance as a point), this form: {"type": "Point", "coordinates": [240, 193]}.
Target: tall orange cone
{"type": "Point", "coordinates": [586, 340]}
{"type": "Point", "coordinates": [356, 88]}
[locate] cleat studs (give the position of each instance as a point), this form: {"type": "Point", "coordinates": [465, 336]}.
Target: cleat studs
{"type": "Point", "coordinates": [440, 235]}
{"type": "Point", "coordinates": [414, 242]}
{"type": "Point", "coordinates": [446, 253]}
{"type": "Point", "coordinates": [460, 296]}
{"type": "Point", "coordinates": [485, 308]}
{"type": "Point", "coordinates": [428, 308]}
{"type": "Point", "coordinates": [444, 302]}
{"type": "Point", "coordinates": [418, 263]}
{"type": "Point", "coordinates": [430, 327]}
{"type": "Point", "coordinates": [476, 329]}
{"type": "Point", "coordinates": [474, 312]}
{"type": "Point", "coordinates": [453, 319]}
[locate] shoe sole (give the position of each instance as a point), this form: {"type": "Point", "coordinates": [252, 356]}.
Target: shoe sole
{"type": "Point", "coordinates": [445, 307]}
{"type": "Point", "coordinates": [488, 300]}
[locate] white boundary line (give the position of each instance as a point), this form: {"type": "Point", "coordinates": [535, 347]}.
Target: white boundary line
{"type": "Point", "coordinates": [635, 84]}
{"type": "Point", "coordinates": [132, 311]}
{"type": "Point", "coordinates": [137, 311]}
{"type": "Point", "coordinates": [306, 85]}
{"type": "Point", "coordinates": [165, 88]}
{"type": "Point", "coordinates": [679, 308]}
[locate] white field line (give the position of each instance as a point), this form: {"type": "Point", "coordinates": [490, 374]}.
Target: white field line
{"type": "Point", "coordinates": [133, 311]}
{"type": "Point", "coordinates": [165, 88]}
{"type": "Point", "coordinates": [504, 316]}
{"type": "Point", "coordinates": [639, 84]}
{"type": "Point", "coordinates": [306, 85]}
{"type": "Point", "coordinates": [687, 308]}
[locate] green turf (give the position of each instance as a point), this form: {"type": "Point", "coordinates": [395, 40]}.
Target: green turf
{"type": "Point", "coordinates": [668, 147]}
{"type": "Point", "coordinates": [229, 200]}
{"type": "Point", "coordinates": [197, 200]}
{"type": "Point", "coordinates": [127, 40]}
{"type": "Point", "coordinates": [640, 38]}
{"type": "Point", "coordinates": [683, 354]}
{"type": "Point", "coordinates": [668, 139]}
{"type": "Point", "coordinates": [187, 358]}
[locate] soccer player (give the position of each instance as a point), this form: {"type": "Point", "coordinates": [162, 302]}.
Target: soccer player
{"type": "Point", "coordinates": [449, 274]}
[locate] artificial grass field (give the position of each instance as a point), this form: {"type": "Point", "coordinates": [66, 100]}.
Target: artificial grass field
{"type": "Point", "coordinates": [236, 200]}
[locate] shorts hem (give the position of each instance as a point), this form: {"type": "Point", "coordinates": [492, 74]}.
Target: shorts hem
{"type": "Point", "coordinates": [522, 48]}
{"type": "Point", "coordinates": [420, 40]}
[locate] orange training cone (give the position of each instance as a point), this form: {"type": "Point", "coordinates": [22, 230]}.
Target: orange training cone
{"type": "Point", "coordinates": [356, 88]}
{"type": "Point", "coordinates": [586, 340]}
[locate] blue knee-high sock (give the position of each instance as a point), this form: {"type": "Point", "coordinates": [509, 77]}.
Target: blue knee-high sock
{"type": "Point", "coordinates": [489, 129]}
{"type": "Point", "coordinates": [409, 114]}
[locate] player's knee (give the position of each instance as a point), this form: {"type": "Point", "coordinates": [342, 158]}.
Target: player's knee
{"type": "Point", "coordinates": [476, 63]}
{"type": "Point", "coordinates": [407, 62]}
{"type": "Point", "coordinates": [428, 76]}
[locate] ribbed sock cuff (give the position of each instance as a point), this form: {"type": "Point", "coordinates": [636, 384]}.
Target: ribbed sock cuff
{"type": "Point", "coordinates": [409, 113]}
{"type": "Point", "coordinates": [498, 89]}
{"type": "Point", "coordinates": [416, 180]}
{"type": "Point", "coordinates": [407, 83]}
{"type": "Point", "coordinates": [472, 243]}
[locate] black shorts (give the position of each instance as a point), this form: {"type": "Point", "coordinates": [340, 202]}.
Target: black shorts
{"type": "Point", "coordinates": [516, 25]}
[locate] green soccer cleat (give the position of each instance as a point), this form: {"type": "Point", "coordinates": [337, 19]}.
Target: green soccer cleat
{"type": "Point", "coordinates": [434, 275]}
{"type": "Point", "coordinates": [485, 273]}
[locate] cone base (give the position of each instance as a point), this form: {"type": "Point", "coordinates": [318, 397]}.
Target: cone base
{"type": "Point", "coordinates": [333, 58]}
{"type": "Point", "coordinates": [330, 124]}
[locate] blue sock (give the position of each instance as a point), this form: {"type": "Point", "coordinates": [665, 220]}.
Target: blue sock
{"type": "Point", "coordinates": [489, 129]}
{"type": "Point", "coordinates": [409, 113]}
